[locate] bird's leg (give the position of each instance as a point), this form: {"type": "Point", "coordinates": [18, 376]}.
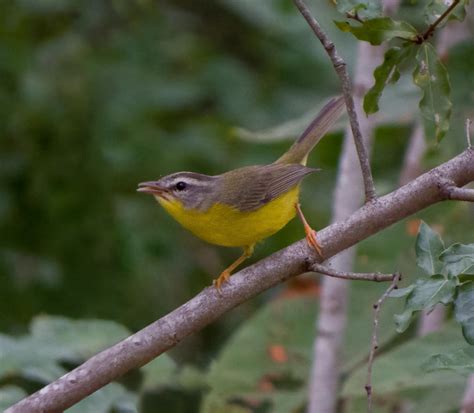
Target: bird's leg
{"type": "Point", "coordinates": [225, 275]}
{"type": "Point", "coordinates": [311, 234]}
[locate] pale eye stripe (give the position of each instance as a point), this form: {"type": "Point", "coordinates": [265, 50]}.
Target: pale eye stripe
{"type": "Point", "coordinates": [190, 181]}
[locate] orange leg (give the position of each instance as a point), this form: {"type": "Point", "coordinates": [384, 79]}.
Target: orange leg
{"type": "Point", "coordinates": [311, 234]}
{"type": "Point", "coordinates": [225, 275]}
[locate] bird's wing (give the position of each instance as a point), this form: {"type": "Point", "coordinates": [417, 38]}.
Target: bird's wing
{"type": "Point", "coordinates": [254, 186]}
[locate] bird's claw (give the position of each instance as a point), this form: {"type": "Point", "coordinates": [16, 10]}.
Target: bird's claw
{"type": "Point", "coordinates": [224, 277]}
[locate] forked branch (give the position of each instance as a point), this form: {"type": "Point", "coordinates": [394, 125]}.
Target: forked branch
{"type": "Point", "coordinates": [341, 70]}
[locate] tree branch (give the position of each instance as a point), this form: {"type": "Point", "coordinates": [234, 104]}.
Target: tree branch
{"type": "Point", "coordinates": [207, 306]}
{"type": "Point", "coordinates": [374, 344]}
{"type": "Point", "coordinates": [346, 275]}
{"type": "Point", "coordinates": [468, 132]}
{"type": "Point", "coordinates": [426, 35]}
{"type": "Point", "coordinates": [452, 192]}
{"type": "Point", "coordinates": [325, 372]}
{"type": "Point", "coordinates": [340, 67]}
{"type": "Point", "coordinates": [459, 194]}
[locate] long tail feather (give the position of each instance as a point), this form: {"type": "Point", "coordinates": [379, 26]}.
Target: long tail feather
{"type": "Point", "coordinates": [329, 114]}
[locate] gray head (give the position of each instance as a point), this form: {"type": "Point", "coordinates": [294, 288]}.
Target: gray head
{"type": "Point", "coordinates": [193, 190]}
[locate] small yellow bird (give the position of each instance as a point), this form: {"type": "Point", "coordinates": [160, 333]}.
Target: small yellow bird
{"type": "Point", "coordinates": [243, 206]}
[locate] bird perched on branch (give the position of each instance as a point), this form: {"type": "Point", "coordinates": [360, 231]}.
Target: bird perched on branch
{"type": "Point", "coordinates": [243, 206]}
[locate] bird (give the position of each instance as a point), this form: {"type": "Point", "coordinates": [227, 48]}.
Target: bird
{"type": "Point", "coordinates": [243, 206]}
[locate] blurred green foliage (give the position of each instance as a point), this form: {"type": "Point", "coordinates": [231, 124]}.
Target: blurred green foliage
{"type": "Point", "coordinates": [96, 96]}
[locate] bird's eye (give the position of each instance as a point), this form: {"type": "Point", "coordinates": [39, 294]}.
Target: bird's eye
{"type": "Point", "coordinates": [181, 185]}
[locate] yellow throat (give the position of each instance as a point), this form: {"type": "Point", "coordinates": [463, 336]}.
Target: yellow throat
{"type": "Point", "coordinates": [227, 226]}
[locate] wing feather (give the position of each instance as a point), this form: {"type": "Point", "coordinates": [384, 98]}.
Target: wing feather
{"type": "Point", "coordinates": [252, 187]}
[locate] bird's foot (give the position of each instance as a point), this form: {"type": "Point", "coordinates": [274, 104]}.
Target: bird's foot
{"type": "Point", "coordinates": [224, 277]}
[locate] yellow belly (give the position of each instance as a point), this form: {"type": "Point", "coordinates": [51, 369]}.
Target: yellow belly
{"type": "Point", "coordinates": [227, 226]}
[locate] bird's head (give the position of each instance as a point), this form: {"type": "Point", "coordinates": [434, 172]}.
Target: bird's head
{"type": "Point", "coordinates": [191, 190]}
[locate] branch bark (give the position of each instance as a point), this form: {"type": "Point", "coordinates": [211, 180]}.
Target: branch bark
{"type": "Point", "coordinates": [324, 380]}
{"type": "Point", "coordinates": [165, 333]}
{"type": "Point", "coordinates": [341, 70]}
{"type": "Point", "coordinates": [375, 342]}
{"type": "Point", "coordinates": [346, 275]}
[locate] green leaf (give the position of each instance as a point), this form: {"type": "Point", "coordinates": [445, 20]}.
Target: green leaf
{"type": "Point", "coordinates": [9, 395]}
{"type": "Point", "coordinates": [426, 294]}
{"type": "Point", "coordinates": [458, 259]}
{"type": "Point", "coordinates": [364, 9]}
{"type": "Point", "coordinates": [429, 246]}
{"type": "Point", "coordinates": [53, 340]}
{"type": "Point", "coordinates": [436, 8]}
{"type": "Point", "coordinates": [402, 292]}
{"type": "Point", "coordinates": [399, 369]}
{"type": "Point", "coordinates": [111, 397]}
{"type": "Point", "coordinates": [80, 339]}
{"type": "Point", "coordinates": [464, 310]}
{"type": "Point", "coordinates": [378, 30]}
{"type": "Point", "coordinates": [27, 358]}
{"type": "Point", "coordinates": [388, 71]}
{"type": "Point", "coordinates": [431, 76]}
{"type": "Point", "coordinates": [159, 372]}
{"type": "Point", "coordinates": [282, 327]}
{"type": "Point", "coordinates": [461, 361]}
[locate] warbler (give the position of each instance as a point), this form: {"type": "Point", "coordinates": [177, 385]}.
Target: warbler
{"type": "Point", "coordinates": [245, 205]}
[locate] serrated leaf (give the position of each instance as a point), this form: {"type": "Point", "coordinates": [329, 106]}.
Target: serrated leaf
{"type": "Point", "coordinates": [436, 8]}
{"type": "Point", "coordinates": [375, 31]}
{"type": "Point", "coordinates": [458, 259]}
{"type": "Point", "coordinates": [364, 9]}
{"type": "Point", "coordinates": [464, 310]}
{"type": "Point", "coordinates": [431, 76]}
{"type": "Point", "coordinates": [387, 72]}
{"type": "Point", "coordinates": [428, 248]}
{"type": "Point", "coordinates": [426, 294]}
{"type": "Point", "coordinates": [461, 361]}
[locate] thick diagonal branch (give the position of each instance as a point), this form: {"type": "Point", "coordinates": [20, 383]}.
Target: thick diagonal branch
{"type": "Point", "coordinates": [207, 306]}
{"type": "Point", "coordinates": [341, 70]}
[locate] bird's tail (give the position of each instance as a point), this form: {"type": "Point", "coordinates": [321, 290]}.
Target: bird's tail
{"type": "Point", "coordinates": [329, 114]}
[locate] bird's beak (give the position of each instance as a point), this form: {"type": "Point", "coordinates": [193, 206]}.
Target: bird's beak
{"type": "Point", "coordinates": [152, 187]}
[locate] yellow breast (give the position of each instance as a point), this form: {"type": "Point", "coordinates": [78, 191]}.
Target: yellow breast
{"type": "Point", "coordinates": [229, 227]}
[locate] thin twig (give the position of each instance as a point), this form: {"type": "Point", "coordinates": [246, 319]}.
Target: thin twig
{"type": "Point", "coordinates": [340, 67]}
{"type": "Point", "coordinates": [459, 194]}
{"type": "Point", "coordinates": [345, 275]}
{"type": "Point", "coordinates": [468, 133]}
{"type": "Point", "coordinates": [354, 16]}
{"type": "Point", "coordinates": [374, 344]}
{"type": "Point", "coordinates": [433, 25]}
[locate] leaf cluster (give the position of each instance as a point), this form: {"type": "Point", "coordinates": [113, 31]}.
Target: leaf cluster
{"type": "Point", "coordinates": [448, 280]}
{"type": "Point", "coordinates": [408, 48]}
